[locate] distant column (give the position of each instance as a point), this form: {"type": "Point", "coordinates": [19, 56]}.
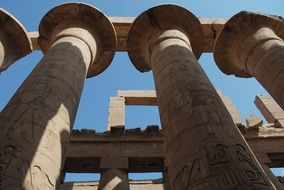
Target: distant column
{"type": "Point", "coordinates": [116, 112]}
{"type": "Point", "coordinates": [114, 179]}
{"type": "Point", "coordinates": [35, 125]}
{"type": "Point", "coordinates": [14, 40]}
{"type": "Point", "coordinates": [114, 175]}
{"type": "Point", "coordinates": [251, 45]}
{"type": "Point", "coordinates": [203, 148]}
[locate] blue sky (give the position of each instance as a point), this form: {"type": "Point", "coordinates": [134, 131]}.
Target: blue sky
{"type": "Point", "coordinates": [121, 75]}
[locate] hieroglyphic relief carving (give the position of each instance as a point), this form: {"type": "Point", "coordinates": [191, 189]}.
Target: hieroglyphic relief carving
{"type": "Point", "coordinates": [229, 162]}
{"type": "Point", "coordinates": [251, 170]}
{"type": "Point", "coordinates": [189, 174]}
{"type": "Point", "coordinates": [47, 105]}
{"type": "Point", "coordinates": [217, 132]}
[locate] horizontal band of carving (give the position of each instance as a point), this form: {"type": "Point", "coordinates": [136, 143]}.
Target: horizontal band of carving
{"type": "Point", "coordinates": [144, 148]}
{"type": "Point", "coordinates": [211, 28]}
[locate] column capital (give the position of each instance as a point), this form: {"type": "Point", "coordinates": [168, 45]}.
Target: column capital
{"type": "Point", "coordinates": [79, 15]}
{"type": "Point", "coordinates": [242, 27]}
{"type": "Point", "coordinates": [14, 40]}
{"type": "Point", "coordinates": [159, 18]}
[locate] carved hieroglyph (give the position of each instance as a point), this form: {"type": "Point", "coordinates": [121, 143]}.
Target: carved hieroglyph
{"type": "Point", "coordinates": [252, 44]}
{"type": "Point", "coordinates": [203, 148]}
{"type": "Point", "coordinates": [14, 40]}
{"type": "Point", "coordinates": [36, 123]}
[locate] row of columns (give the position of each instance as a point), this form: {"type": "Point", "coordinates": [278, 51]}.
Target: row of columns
{"type": "Point", "coordinates": [203, 148]}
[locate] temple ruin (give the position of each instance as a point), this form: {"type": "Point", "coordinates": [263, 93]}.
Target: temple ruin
{"type": "Point", "coordinates": [203, 143]}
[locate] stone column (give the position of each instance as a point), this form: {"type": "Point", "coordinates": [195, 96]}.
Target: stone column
{"type": "Point", "coordinates": [14, 40]}
{"type": "Point", "coordinates": [250, 45]}
{"type": "Point", "coordinates": [203, 148]}
{"type": "Point", "coordinates": [114, 179]}
{"type": "Point", "coordinates": [114, 175]}
{"type": "Point", "coordinates": [36, 123]}
{"type": "Point", "coordinates": [116, 112]}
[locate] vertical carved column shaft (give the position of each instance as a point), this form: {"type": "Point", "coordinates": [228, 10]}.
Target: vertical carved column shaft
{"type": "Point", "coordinates": [114, 179]}
{"type": "Point", "coordinates": [199, 135]}
{"type": "Point", "coordinates": [251, 45]}
{"type": "Point", "coordinates": [203, 148]}
{"type": "Point", "coordinates": [36, 123]}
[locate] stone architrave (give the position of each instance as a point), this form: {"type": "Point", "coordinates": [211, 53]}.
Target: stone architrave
{"type": "Point", "coordinates": [251, 45]}
{"type": "Point", "coordinates": [14, 40]}
{"type": "Point", "coordinates": [35, 125]}
{"type": "Point", "coordinates": [203, 148]}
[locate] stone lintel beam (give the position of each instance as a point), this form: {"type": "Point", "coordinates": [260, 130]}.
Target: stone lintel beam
{"type": "Point", "coordinates": [14, 40]}
{"type": "Point", "coordinates": [149, 98]}
{"type": "Point", "coordinates": [139, 97]}
{"type": "Point", "coordinates": [271, 111]}
{"type": "Point", "coordinates": [211, 28]}
{"type": "Point", "coordinates": [251, 45]}
{"type": "Point", "coordinates": [111, 162]}
{"type": "Point", "coordinates": [145, 151]}
{"type": "Point", "coordinates": [134, 184]}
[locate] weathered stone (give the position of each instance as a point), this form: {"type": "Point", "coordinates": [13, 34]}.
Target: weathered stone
{"type": "Point", "coordinates": [114, 179]}
{"type": "Point", "coordinates": [116, 112]}
{"type": "Point", "coordinates": [36, 123]}
{"type": "Point", "coordinates": [252, 121]}
{"type": "Point", "coordinates": [117, 131]}
{"type": "Point", "coordinates": [231, 108]}
{"type": "Point", "coordinates": [114, 162]}
{"type": "Point", "coordinates": [133, 131]}
{"type": "Point", "coordinates": [152, 130]}
{"type": "Point", "coordinates": [211, 28]}
{"type": "Point", "coordinates": [271, 111]}
{"type": "Point", "coordinates": [279, 123]}
{"type": "Point", "coordinates": [134, 185]}
{"type": "Point", "coordinates": [138, 97]}
{"type": "Point", "coordinates": [203, 148]}
{"type": "Point", "coordinates": [14, 40]}
{"type": "Point", "coordinates": [249, 45]}
{"type": "Point", "coordinates": [94, 21]}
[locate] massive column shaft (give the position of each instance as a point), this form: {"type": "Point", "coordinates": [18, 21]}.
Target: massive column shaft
{"type": "Point", "coordinates": [36, 123]}
{"type": "Point", "coordinates": [251, 45]}
{"type": "Point", "coordinates": [203, 148]}
{"type": "Point", "coordinates": [14, 40]}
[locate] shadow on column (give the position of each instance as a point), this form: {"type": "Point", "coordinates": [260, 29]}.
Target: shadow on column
{"type": "Point", "coordinates": [36, 123]}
